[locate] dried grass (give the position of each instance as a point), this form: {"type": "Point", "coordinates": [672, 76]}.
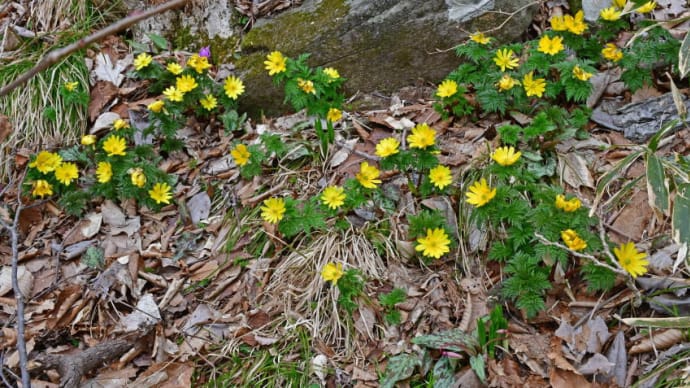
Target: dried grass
{"type": "Point", "coordinates": [26, 107]}
{"type": "Point", "coordinates": [310, 301]}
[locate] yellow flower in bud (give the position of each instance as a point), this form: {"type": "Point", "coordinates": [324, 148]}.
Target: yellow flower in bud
{"type": "Point", "coordinates": [174, 68]}
{"type": "Point", "coordinates": [610, 14]}
{"type": "Point", "coordinates": [198, 63]}
{"type": "Point", "coordinates": [572, 240]}
{"type": "Point", "coordinates": [88, 140]}
{"type": "Point", "coordinates": [71, 86]}
{"type": "Point", "coordinates": [331, 73]}
{"type": "Point", "coordinates": [334, 115]}
{"type": "Point", "coordinates": [506, 83]}
{"type": "Point", "coordinates": [580, 74]}
{"type": "Point", "coordinates": [156, 106]}
{"type": "Point", "coordinates": [612, 53]}
{"type": "Point", "coordinates": [307, 86]}
{"type": "Point", "coordinates": [137, 176]}
{"type": "Point", "coordinates": [647, 7]}
{"type": "Point", "coordinates": [120, 124]}
{"type": "Point", "coordinates": [42, 188]}
{"type": "Point", "coordinates": [479, 37]}
{"type": "Point", "coordinates": [332, 272]}
{"type": "Point", "coordinates": [551, 46]}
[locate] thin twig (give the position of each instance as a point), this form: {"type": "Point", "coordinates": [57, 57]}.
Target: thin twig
{"type": "Point", "coordinates": [19, 297]}
{"type": "Point", "coordinates": [2, 371]}
{"type": "Point", "coordinates": [57, 55]}
{"type": "Point", "coordinates": [593, 259]}
{"type": "Point", "coordinates": [500, 26]}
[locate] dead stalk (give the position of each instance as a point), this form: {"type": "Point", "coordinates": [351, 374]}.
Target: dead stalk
{"type": "Point", "coordinates": [19, 297]}
{"type": "Point", "coordinates": [57, 55]}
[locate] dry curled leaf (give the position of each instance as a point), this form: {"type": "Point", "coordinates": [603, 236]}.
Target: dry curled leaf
{"type": "Point", "coordinates": [659, 341]}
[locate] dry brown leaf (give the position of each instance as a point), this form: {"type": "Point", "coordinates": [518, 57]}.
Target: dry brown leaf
{"type": "Point", "coordinates": [559, 378]}
{"type": "Point", "coordinates": [659, 341]}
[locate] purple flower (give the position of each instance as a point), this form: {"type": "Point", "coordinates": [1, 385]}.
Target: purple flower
{"type": "Point", "coordinates": [205, 52]}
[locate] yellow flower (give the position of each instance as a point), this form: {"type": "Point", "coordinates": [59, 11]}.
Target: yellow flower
{"type": "Point", "coordinates": [505, 59]}
{"type": "Point", "coordinates": [367, 176]}
{"type": "Point", "coordinates": [114, 145]}
{"type": "Point", "coordinates": [42, 188]}
{"type": "Point", "coordinates": [611, 14]}
{"type": "Point", "coordinates": [71, 86]}
{"type": "Point", "coordinates": [435, 244]}
{"type": "Point", "coordinates": [173, 94]}
{"type": "Point", "coordinates": [161, 193]}
{"type": "Point", "coordinates": [480, 38]}
{"type": "Point", "coordinates": [612, 53]}
{"type": "Point", "coordinates": [645, 8]}
{"type": "Point", "coordinates": [551, 46]}
{"type": "Point", "coordinates": [199, 64]}
{"type": "Point", "coordinates": [65, 173]}
{"type": "Point", "coordinates": [88, 140]}
{"type": "Point", "coordinates": [480, 193]}
{"type": "Point", "coordinates": [306, 85]}
{"type": "Point", "coordinates": [275, 63]}
{"type": "Point", "coordinates": [46, 162]}
{"type": "Point", "coordinates": [104, 172]}
{"type": "Point", "coordinates": [505, 156]}
{"type": "Point", "coordinates": [580, 74]}
{"type": "Point", "coordinates": [331, 73]}
{"type": "Point", "coordinates": [334, 115]}
{"type": "Point", "coordinates": [273, 210]}
{"type": "Point", "coordinates": [558, 23]}
{"type": "Point", "coordinates": [209, 102]}
{"type": "Point", "coordinates": [506, 83]}
{"type": "Point", "coordinates": [387, 147]}
{"type": "Point", "coordinates": [576, 24]}
{"type": "Point", "coordinates": [174, 68]}
{"type": "Point", "coordinates": [631, 260]}
{"type": "Point", "coordinates": [440, 176]}
{"type": "Point", "coordinates": [422, 136]}
{"type": "Point", "coordinates": [137, 176]}
{"type": "Point", "coordinates": [156, 106]}
{"type": "Point", "coordinates": [447, 88]}
{"type": "Point", "coordinates": [185, 83]}
{"type": "Point", "coordinates": [333, 197]}
{"type": "Point", "coordinates": [142, 60]}
{"type": "Point", "coordinates": [567, 206]}
{"type": "Point", "coordinates": [120, 124]}
{"type": "Point", "coordinates": [533, 87]}
{"type": "Point", "coordinates": [620, 3]}
{"type": "Point", "coordinates": [240, 154]}
{"type": "Point", "coordinates": [332, 272]}
{"type": "Point", "coordinates": [233, 87]}
{"type": "Point", "coordinates": [572, 240]}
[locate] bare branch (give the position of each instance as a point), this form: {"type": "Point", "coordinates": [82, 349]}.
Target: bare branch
{"type": "Point", "coordinates": [55, 56]}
